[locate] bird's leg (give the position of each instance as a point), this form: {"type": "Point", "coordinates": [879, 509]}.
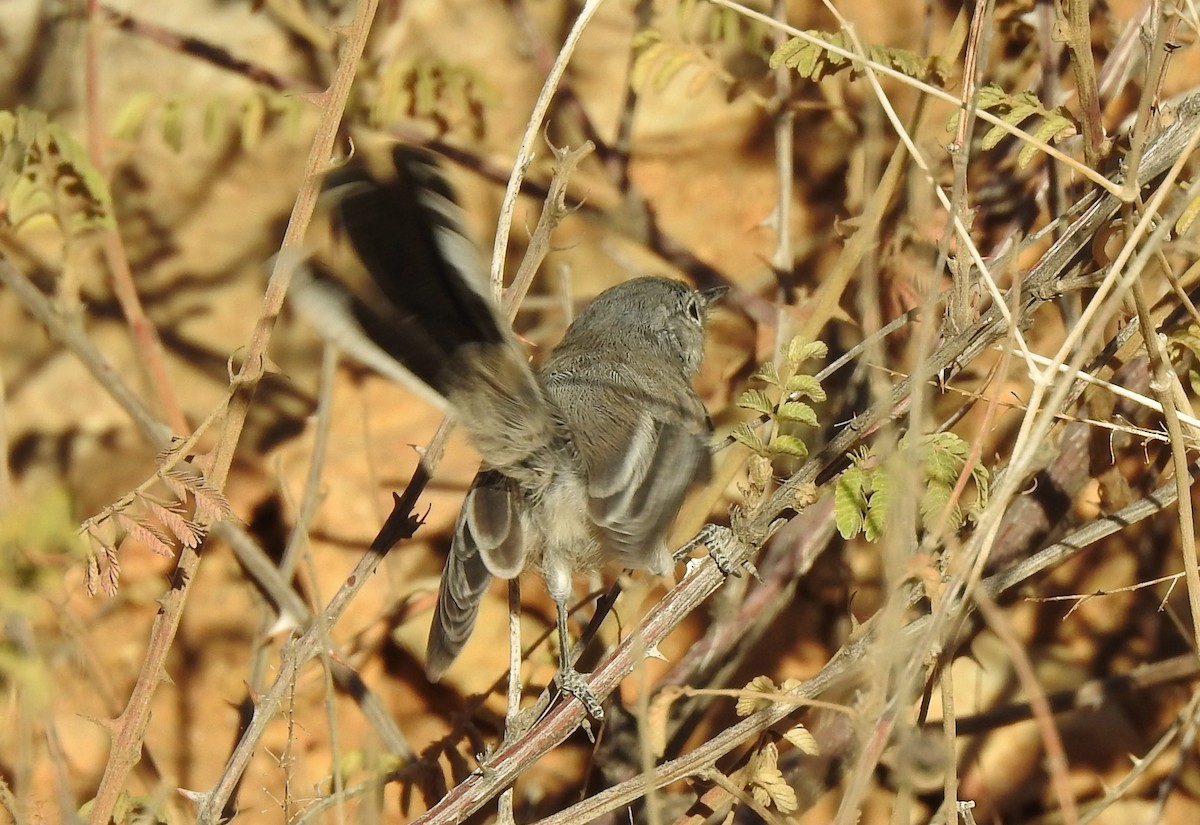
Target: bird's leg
{"type": "Point", "coordinates": [716, 539]}
{"type": "Point", "coordinates": [569, 679]}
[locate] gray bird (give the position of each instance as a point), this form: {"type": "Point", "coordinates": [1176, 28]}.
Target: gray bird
{"type": "Point", "coordinates": [585, 461]}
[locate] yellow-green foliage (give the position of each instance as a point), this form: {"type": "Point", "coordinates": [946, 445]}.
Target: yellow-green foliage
{"type": "Point", "coordinates": [143, 809]}
{"type": "Point", "coordinates": [179, 120]}
{"type": "Point", "coordinates": [702, 37]}
{"type": "Point", "coordinates": [1044, 124]}
{"type": "Point", "coordinates": [45, 171]}
{"type": "Point", "coordinates": [39, 540]}
{"type": "Point", "coordinates": [452, 96]}
{"type": "Point", "coordinates": [863, 494]}
{"type": "Point", "coordinates": [816, 62]}
{"type": "Point", "coordinates": [1183, 340]}
{"type": "Point", "coordinates": [783, 401]}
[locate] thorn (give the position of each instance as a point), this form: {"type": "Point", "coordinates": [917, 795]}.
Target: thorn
{"type": "Point", "coordinates": [269, 366]}
{"type": "Point", "coordinates": [655, 653]}
{"type": "Point", "coordinates": [284, 623]}
{"type": "Point", "coordinates": [198, 798]}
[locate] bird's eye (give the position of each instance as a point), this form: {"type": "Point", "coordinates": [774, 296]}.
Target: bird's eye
{"type": "Point", "coordinates": [697, 311]}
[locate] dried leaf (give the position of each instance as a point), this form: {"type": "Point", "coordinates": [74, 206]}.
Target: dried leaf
{"type": "Point", "coordinates": [657, 715]}
{"type": "Point", "coordinates": [803, 741]}
{"type": "Point", "coordinates": [767, 783]}
{"type": "Point", "coordinates": [747, 705]}
{"type": "Point", "coordinates": [91, 576]}
{"type": "Point", "coordinates": [211, 505]}
{"type": "Point", "coordinates": [112, 572]}
{"type": "Point", "coordinates": [804, 495]}
{"type": "Point", "coordinates": [760, 471]}
{"type": "Point", "coordinates": [183, 530]}
{"type": "Point", "coordinates": [148, 534]}
{"type": "Point", "coordinates": [779, 792]}
{"type": "Point", "coordinates": [103, 570]}
{"type": "Point", "coordinates": [177, 487]}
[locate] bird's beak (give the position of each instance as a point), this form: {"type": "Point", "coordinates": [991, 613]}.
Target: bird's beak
{"type": "Point", "coordinates": [711, 296]}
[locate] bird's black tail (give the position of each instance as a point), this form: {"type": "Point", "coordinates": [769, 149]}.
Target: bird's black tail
{"type": "Point", "coordinates": [401, 279]}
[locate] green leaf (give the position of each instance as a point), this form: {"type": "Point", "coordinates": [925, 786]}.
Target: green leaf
{"type": "Point", "coordinates": [951, 443]}
{"type": "Point", "coordinates": [253, 121]}
{"type": "Point", "coordinates": [876, 477]}
{"type": "Point", "coordinates": [800, 350]}
{"type": "Point", "coordinates": [990, 96]}
{"type": "Point", "coordinates": [425, 86]}
{"type": "Point", "coordinates": [742, 434]}
{"type": "Point", "coordinates": [215, 119]}
{"type": "Point", "coordinates": [933, 505]}
{"type": "Point", "coordinates": [719, 25]}
{"type": "Point", "coordinates": [27, 198]}
{"type": "Point", "coordinates": [1016, 109]}
{"type": "Point", "coordinates": [1187, 338]}
{"type": "Point", "coordinates": [660, 62]}
{"type": "Point", "coordinates": [983, 479]}
{"type": "Point", "coordinates": [644, 38]}
{"type": "Point", "coordinates": [172, 124]}
{"type": "Point", "coordinates": [815, 62]}
{"type": "Point", "coordinates": [875, 518]}
{"type": "Point", "coordinates": [127, 123]}
{"type": "Point", "coordinates": [798, 411]}
{"type": "Point", "coordinates": [678, 59]}
{"type": "Point", "coordinates": [291, 109]}
{"type": "Point", "coordinates": [788, 445]}
{"type": "Point", "coordinates": [944, 456]}
{"type": "Point", "coordinates": [787, 55]}
{"type": "Point", "coordinates": [992, 137]}
{"type": "Point", "coordinates": [45, 171]}
{"type": "Point", "coordinates": [767, 374]}
{"type": "Point", "coordinates": [1186, 218]}
{"type": "Point", "coordinates": [758, 401]}
{"type": "Point", "coordinates": [805, 385]}
{"type": "Point", "coordinates": [849, 503]}
{"type": "Point", "coordinates": [1054, 128]}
